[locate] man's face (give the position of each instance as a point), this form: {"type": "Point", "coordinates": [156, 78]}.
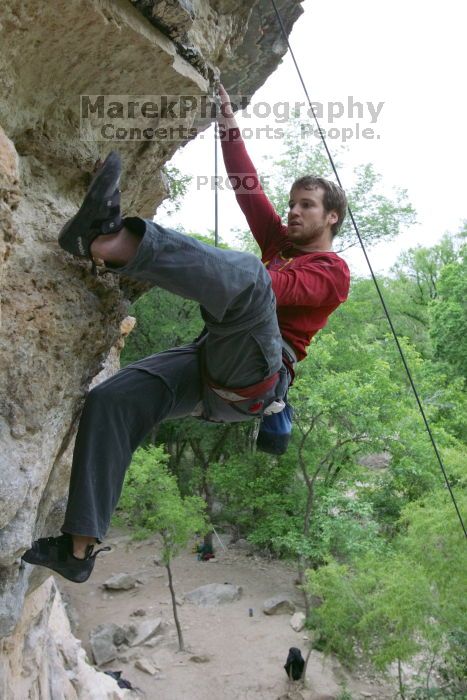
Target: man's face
{"type": "Point", "coordinates": [307, 218]}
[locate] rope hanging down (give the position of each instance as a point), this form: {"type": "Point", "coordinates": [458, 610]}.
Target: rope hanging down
{"type": "Point", "coordinates": [216, 187]}
{"type": "Point", "coordinates": [386, 311]}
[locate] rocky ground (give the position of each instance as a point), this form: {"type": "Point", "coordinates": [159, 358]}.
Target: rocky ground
{"type": "Point", "coordinates": [233, 650]}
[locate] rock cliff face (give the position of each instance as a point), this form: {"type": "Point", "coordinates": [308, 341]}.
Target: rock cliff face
{"type": "Point", "coordinates": [58, 322]}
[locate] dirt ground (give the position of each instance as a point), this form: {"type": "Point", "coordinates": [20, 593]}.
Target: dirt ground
{"type": "Point", "coordinates": [244, 655]}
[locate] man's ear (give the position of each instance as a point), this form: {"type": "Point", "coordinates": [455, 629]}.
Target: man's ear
{"type": "Point", "coordinates": [333, 217]}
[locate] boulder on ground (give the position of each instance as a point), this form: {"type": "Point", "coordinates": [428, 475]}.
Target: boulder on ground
{"type": "Point", "coordinates": [138, 633]}
{"type": "Point", "coordinates": [214, 594]}
{"type": "Point", "coordinates": [297, 621]}
{"type": "Point", "coordinates": [104, 640]}
{"type": "Point", "coordinates": [120, 582]}
{"type": "Point", "coordinates": [278, 605]}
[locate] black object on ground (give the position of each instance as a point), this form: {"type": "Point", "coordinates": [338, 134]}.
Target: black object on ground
{"type": "Point", "coordinates": [295, 664]}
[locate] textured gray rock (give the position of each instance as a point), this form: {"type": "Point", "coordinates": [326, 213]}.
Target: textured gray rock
{"type": "Point", "coordinates": [278, 605]}
{"type": "Point", "coordinates": [243, 545]}
{"type": "Point", "coordinates": [297, 621]}
{"type": "Point", "coordinates": [139, 633]}
{"type": "Point", "coordinates": [120, 582]}
{"type": "Point", "coordinates": [214, 594]}
{"type": "Point", "coordinates": [243, 40]}
{"type": "Point", "coordinates": [146, 665]}
{"type": "Point", "coordinates": [105, 640]}
{"type": "Point", "coordinates": [58, 322]}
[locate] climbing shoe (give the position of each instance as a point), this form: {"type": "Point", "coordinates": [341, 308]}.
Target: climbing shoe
{"type": "Point", "coordinates": [56, 553]}
{"type": "Point", "coordinates": [99, 212]}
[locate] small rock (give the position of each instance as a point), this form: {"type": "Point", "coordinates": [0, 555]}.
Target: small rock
{"type": "Point", "coordinates": [139, 612]}
{"type": "Point", "coordinates": [146, 665]}
{"type": "Point", "coordinates": [120, 582]}
{"type": "Point", "coordinates": [297, 621]}
{"type": "Point", "coordinates": [179, 601]}
{"type": "Point", "coordinates": [139, 633]}
{"type": "Point", "coordinates": [278, 605]}
{"type": "Point", "coordinates": [214, 594]}
{"type": "Point", "coordinates": [202, 659]}
{"type": "Point", "coordinates": [151, 643]}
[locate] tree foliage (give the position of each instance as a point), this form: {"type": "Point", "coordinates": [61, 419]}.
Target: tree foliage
{"type": "Point", "coordinates": [409, 602]}
{"type": "Point", "coordinates": [152, 502]}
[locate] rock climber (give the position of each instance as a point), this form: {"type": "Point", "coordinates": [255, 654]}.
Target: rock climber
{"type": "Point", "coordinates": [259, 316]}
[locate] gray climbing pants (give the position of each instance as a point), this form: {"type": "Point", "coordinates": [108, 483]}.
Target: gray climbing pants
{"type": "Point", "coordinates": [241, 347]}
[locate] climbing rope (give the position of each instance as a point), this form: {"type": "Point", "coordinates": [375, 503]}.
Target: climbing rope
{"type": "Point", "coordinates": [378, 289]}
{"type": "Point", "coordinates": [216, 186]}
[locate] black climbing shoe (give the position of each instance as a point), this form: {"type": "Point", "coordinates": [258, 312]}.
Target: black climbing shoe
{"type": "Point", "coordinates": [56, 553]}
{"type": "Point", "coordinates": [99, 212]}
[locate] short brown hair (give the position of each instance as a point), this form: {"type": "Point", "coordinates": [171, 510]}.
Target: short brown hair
{"type": "Point", "coordinates": [334, 198]}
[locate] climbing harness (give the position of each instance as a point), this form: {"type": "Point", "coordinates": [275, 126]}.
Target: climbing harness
{"type": "Point", "coordinates": [380, 294]}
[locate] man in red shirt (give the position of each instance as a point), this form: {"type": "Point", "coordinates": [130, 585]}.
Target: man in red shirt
{"type": "Point", "coordinates": [237, 370]}
{"type": "Point", "coordinates": [308, 279]}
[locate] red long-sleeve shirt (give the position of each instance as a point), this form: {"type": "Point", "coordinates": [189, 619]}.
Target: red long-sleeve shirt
{"type": "Point", "coordinates": [308, 286]}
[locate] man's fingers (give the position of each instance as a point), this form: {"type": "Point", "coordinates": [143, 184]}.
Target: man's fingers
{"type": "Point", "coordinates": [226, 108]}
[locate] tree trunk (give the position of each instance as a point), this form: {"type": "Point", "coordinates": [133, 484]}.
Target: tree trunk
{"type": "Point", "coordinates": [303, 676]}
{"type": "Point", "coordinates": [181, 644]}
{"type": "Point", "coordinates": [302, 566]}
{"type": "Point", "coordinates": [303, 562]}
{"type": "Point", "coordinates": [208, 541]}
{"type": "Point", "coordinates": [399, 675]}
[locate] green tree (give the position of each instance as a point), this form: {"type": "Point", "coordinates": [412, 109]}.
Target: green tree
{"type": "Point", "coordinates": [338, 416]}
{"type": "Point", "coordinates": [420, 268]}
{"type": "Point", "coordinates": [176, 185]}
{"type": "Point", "coordinates": [151, 502]}
{"type": "Point", "coordinates": [408, 605]}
